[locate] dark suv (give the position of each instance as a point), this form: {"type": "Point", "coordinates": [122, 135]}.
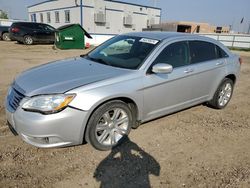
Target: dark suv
{"type": "Point", "coordinates": [30, 33]}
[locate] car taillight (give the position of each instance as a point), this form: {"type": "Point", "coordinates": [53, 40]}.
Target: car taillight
{"type": "Point", "coordinates": [240, 60]}
{"type": "Point", "coordinates": [15, 29]}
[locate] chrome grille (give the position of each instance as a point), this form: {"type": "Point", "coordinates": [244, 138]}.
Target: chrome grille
{"type": "Point", "coordinates": [14, 98]}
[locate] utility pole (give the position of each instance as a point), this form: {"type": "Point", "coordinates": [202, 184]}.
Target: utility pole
{"type": "Point", "coordinates": [230, 28]}
{"type": "Point", "coordinates": [248, 29]}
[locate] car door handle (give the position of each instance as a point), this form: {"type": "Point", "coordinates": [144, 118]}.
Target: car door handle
{"type": "Point", "coordinates": [219, 63]}
{"type": "Point", "coordinates": [188, 71]}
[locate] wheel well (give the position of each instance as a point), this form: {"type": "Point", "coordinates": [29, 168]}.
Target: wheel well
{"type": "Point", "coordinates": [232, 77]}
{"type": "Point", "coordinates": [132, 105]}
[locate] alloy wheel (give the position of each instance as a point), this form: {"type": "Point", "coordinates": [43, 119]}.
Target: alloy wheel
{"type": "Point", "coordinates": [112, 126]}
{"type": "Point", "coordinates": [28, 40]}
{"type": "Point", "coordinates": [225, 94]}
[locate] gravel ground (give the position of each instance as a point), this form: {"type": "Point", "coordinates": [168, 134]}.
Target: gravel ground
{"type": "Point", "coordinates": [197, 147]}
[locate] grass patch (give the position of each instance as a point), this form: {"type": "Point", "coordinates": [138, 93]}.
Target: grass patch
{"type": "Point", "coordinates": [239, 49]}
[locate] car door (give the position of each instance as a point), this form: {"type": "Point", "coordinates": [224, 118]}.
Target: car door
{"type": "Point", "coordinates": [207, 69]}
{"type": "Point", "coordinates": [38, 32]}
{"type": "Point", "coordinates": [43, 34]}
{"type": "Point", "coordinates": [49, 33]}
{"type": "Point", "coordinates": [166, 93]}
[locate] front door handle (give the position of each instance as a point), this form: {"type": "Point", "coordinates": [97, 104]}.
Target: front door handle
{"type": "Point", "coordinates": [188, 71]}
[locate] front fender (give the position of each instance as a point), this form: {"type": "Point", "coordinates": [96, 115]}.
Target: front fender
{"type": "Point", "coordinates": [88, 100]}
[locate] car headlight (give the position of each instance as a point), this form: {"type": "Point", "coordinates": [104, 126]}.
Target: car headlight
{"type": "Point", "coordinates": [48, 104]}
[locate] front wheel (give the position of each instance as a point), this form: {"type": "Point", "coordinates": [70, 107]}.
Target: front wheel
{"type": "Point", "coordinates": [223, 94]}
{"type": "Point", "coordinates": [109, 125]}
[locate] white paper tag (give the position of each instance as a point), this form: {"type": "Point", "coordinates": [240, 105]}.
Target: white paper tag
{"type": "Point", "coordinates": [68, 38]}
{"type": "Point", "coordinates": [150, 41]}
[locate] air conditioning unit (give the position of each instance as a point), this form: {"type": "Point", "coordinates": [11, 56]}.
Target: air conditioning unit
{"type": "Point", "coordinates": [100, 17]}
{"type": "Point", "coordinates": [128, 20]}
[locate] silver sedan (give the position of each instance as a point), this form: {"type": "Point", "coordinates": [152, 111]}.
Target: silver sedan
{"type": "Point", "coordinates": [128, 80]}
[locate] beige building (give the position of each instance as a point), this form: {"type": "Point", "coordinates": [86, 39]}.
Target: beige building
{"type": "Point", "coordinates": [188, 27]}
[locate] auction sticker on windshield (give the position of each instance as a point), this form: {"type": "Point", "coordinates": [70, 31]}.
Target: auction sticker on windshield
{"type": "Point", "coordinates": [150, 41]}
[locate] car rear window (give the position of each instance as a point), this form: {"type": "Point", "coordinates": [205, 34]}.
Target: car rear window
{"type": "Point", "coordinates": [220, 53]}
{"type": "Point", "coordinates": [201, 51]}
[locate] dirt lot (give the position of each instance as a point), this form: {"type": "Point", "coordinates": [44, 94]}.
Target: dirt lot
{"type": "Point", "coordinates": [198, 147]}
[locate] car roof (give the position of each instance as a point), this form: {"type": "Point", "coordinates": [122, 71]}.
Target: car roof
{"type": "Point", "coordinates": [35, 23]}
{"type": "Point", "coordinates": [161, 35]}
{"type": "Point", "coordinates": [158, 35]}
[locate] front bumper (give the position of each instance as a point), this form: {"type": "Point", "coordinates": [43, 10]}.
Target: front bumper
{"type": "Point", "coordinates": [55, 130]}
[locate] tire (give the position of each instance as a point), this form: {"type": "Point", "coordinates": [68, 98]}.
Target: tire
{"type": "Point", "coordinates": [223, 94]}
{"type": "Point", "coordinates": [6, 37]}
{"type": "Point", "coordinates": [104, 132]}
{"type": "Point", "coordinates": [28, 40]}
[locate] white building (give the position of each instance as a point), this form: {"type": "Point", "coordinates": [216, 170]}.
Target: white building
{"type": "Point", "coordinates": [101, 18]}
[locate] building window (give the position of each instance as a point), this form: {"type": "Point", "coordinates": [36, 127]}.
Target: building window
{"type": "Point", "coordinates": [57, 17]}
{"type": "Point", "coordinates": [48, 17]}
{"type": "Point", "coordinates": [41, 17]}
{"type": "Point", "coordinates": [33, 17]}
{"type": "Point", "coordinates": [67, 16]}
{"type": "Point", "coordinates": [198, 28]}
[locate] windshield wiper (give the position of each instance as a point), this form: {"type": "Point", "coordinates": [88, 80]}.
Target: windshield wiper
{"type": "Point", "coordinates": [98, 60]}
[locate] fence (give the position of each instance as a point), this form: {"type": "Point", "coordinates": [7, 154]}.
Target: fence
{"type": "Point", "coordinates": [231, 40]}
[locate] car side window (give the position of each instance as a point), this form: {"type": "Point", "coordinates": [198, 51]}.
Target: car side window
{"type": "Point", "coordinates": [29, 25]}
{"type": "Point", "coordinates": [175, 54]}
{"type": "Point", "coordinates": [220, 53]}
{"type": "Point", "coordinates": [41, 27]}
{"type": "Point", "coordinates": [201, 51]}
{"type": "Point", "coordinates": [32, 26]}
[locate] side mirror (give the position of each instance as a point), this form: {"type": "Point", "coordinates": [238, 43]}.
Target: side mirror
{"type": "Point", "coordinates": [162, 68]}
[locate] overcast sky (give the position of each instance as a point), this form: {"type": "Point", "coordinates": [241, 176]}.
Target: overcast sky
{"type": "Point", "coordinates": [217, 12]}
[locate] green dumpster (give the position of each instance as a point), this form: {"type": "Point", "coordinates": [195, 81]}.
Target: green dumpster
{"type": "Point", "coordinates": [70, 37]}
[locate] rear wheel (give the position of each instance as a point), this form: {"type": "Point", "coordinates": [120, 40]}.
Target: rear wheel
{"type": "Point", "coordinates": [223, 94]}
{"type": "Point", "coordinates": [6, 37]}
{"type": "Point", "coordinates": [109, 125]}
{"type": "Point", "coordinates": [28, 40]}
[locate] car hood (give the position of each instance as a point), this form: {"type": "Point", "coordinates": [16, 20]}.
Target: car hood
{"type": "Point", "coordinates": [64, 75]}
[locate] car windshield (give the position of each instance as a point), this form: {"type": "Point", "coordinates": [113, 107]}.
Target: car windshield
{"type": "Point", "coordinates": [123, 51]}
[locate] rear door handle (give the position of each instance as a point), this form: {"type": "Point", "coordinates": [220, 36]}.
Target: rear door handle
{"type": "Point", "coordinates": [188, 71]}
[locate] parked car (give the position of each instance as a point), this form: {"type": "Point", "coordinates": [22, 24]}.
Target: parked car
{"type": "Point", "coordinates": [4, 33]}
{"type": "Point", "coordinates": [128, 80]}
{"type": "Point", "coordinates": [31, 33]}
